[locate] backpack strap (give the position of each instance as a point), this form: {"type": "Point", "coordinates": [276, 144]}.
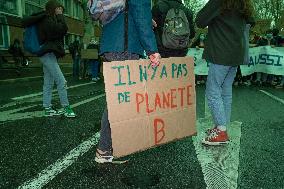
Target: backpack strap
{"type": "Point", "coordinates": [126, 26]}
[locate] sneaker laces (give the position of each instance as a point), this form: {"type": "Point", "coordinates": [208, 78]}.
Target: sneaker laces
{"type": "Point", "coordinates": [211, 130]}
{"type": "Point", "coordinates": [213, 134]}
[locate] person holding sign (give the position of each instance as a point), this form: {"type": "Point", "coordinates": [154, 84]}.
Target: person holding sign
{"type": "Point", "coordinates": [225, 50]}
{"type": "Point", "coordinates": [125, 38]}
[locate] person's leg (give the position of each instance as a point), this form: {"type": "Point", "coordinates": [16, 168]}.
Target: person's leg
{"type": "Point", "coordinates": [227, 93]}
{"type": "Point", "coordinates": [48, 83]}
{"type": "Point", "coordinates": [61, 83]}
{"type": "Point", "coordinates": [93, 69]}
{"type": "Point", "coordinates": [264, 77]}
{"type": "Point", "coordinates": [258, 80]}
{"type": "Point", "coordinates": [104, 149]}
{"type": "Point", "coordinates": [273, 80]}
{"type": "Point", "coordinates": [281, 84]}
{"type": "Point", "coordinates": [59, 78]}
{"type": "Point", "coordinates": [82, 69]}
{"type": "Point", "coordinates": [96, 69]}
{"type": "Point", "coordinates": [78, 59]}
{"type": "Point", "coordinates": [17, 65]}
{"type": "Point", "coordinates": [47, 88]}
{"type": "Point", "coordinates": [218, 77]}
{"type": "Point", "coordinates": [215, 80]}
{"type": "Point", "coordinates": [258, 76]}
{"type": "Point", "coordinates": [99, 68]}
{"type": "Point", "coordinates": [105, 143]}
{"type": "Point", "coordinates": [74, 66]}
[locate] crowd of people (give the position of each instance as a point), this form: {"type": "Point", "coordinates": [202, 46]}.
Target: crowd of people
{"type": "Point", "coordinates": [85, 69]}
{"type": "Point", "coordinates": [270, 38]}
{"type": "Point", "coordinates": [141, 31]}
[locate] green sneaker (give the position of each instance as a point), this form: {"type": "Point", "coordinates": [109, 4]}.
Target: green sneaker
{"type": "Point", "coordinates": [68, 112]}
{"type": "Point", "coordinates": [49, 112]}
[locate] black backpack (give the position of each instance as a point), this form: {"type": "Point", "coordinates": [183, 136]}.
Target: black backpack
{"type": "Point", "coordinates": [175, 32]}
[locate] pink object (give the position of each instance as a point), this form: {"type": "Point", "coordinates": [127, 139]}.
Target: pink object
{"type": "Point", "coordinates": [155, 59]}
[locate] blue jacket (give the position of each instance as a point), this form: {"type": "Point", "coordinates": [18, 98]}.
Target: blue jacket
{"type": "Point", "coordinates": [140, 32]}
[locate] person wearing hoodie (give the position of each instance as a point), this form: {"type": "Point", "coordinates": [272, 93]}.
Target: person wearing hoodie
{"type": "Point", "coordinates": [225, 50]}
{"type": "Point", "coordinates": [52, 28]}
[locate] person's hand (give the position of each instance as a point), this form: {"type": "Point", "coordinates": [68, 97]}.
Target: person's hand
{"type": "Point", "coordinates": [155, 59]}
{"type": "Point", "coordinates": [59, 10]}
{"type": "Point", "coordinates": [154, 24]}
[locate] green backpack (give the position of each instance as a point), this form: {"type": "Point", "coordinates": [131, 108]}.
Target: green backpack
{"type": "Point", "coordinates": [176, 31]}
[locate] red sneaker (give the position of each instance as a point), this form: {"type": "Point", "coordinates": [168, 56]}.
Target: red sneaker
{"type": "Point", "coordinates": [216, 137]}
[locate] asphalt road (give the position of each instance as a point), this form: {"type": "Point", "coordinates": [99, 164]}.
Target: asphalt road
{"type": "Point", "coordinates": [59, 153]}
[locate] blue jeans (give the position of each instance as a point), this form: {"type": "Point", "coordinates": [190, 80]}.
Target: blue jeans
{"type": "Point", "coordinates": [52, 73]}
{"type": "Point", "coordinates": [219, 92]}
{"type": "Point", "coordinates": [94, 68]}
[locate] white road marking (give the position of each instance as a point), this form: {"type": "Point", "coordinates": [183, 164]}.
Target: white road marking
{"type": "Point", "coordinates": [15, 103]}
{"type": "Point", "coordinates": [46, 175]}
{"type": "Point", "coordinates": [272, 96]}
{"type": "Point", "coordinates": [219, 163]}
{"type": "Point", "coordinates": [40, 93]}
{"type": "Point", "coordinates": [15, 114]}
{"type": "Point", "coordinates": [26, 78]}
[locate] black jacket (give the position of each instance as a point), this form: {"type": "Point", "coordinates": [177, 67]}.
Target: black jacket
{"type": "Point", "coordinates": [51, 32]}
{"type": "Point", "coordinates": [159, 12]}
{"type": "Point", "coordinates": [225, 44]}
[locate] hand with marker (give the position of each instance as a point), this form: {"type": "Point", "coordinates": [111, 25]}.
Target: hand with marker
{"type": "Point", "coordinates": [155, 59]}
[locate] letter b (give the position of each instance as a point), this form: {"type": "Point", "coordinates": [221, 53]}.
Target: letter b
{"type": "Point", "coordinates": [159, 130]}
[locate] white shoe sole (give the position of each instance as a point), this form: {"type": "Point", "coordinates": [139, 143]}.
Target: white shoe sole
{"type": "Point", "coordinates": [214, 143]}
{"type": "Point", "coordinates": [102, 160]}
{"type": "Point", "coordinates": [51, 115]}
{"type": "Point", "coordinates": [70, 116]}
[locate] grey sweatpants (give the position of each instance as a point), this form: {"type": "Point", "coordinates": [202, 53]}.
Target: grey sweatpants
{"type": "Point", "coordinates": [52, 73]}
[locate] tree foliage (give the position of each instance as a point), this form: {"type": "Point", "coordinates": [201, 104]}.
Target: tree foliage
{"type": "Point", "coordinates": [194, 5]}
{"type": "Point", "coordinates": [270, 9]}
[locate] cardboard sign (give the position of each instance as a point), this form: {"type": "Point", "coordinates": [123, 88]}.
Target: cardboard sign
{"type": "Point", "coordinates": [149, 106]}
{"type": "Point", "coordinates": [89, 54]}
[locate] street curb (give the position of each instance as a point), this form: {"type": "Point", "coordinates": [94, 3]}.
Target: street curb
{"type": "Point", "coordinates": [7, 81]}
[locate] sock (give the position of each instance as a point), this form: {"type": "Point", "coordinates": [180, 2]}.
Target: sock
{"type": "Point", "coordinates": [222, 128]}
